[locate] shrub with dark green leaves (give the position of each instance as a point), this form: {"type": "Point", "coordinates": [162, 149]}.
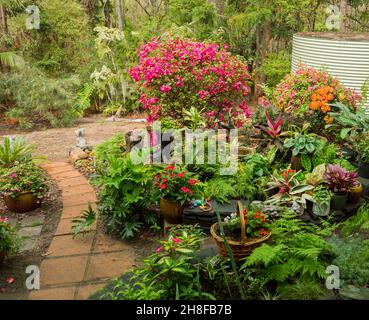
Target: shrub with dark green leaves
{"type": "Point", "coordinates": [125, 192]}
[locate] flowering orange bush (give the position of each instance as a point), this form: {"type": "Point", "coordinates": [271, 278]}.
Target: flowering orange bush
{"type": "Point", "coordinates": [308, 92]}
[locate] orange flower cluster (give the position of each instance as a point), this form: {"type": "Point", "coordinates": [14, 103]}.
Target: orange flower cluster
{"type": "Point", "coordinates": [320, 99]}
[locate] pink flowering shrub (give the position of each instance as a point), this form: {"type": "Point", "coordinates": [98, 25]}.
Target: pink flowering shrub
{"type": "Point", "coordinates": [178, 74]}
{"type": "Point", "coordinates": [309, 92]}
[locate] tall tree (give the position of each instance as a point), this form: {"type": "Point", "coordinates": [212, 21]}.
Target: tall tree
{"type": "Point", "coordinates": [3, 19]}
{"type": "Point", "coordinates": [107, 12]}
{"type": "Point", "coordinates": [120, 14]}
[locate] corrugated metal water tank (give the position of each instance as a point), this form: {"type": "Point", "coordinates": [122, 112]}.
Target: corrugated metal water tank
{"type": "Point", "coordinates": [344, 56]}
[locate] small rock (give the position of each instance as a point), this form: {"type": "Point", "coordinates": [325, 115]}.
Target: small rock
{"type": "Point", "coordinates": [29, 244]}
{"type": "Point", "coordinates": [29, 232]}
{"type": "Point", "coordinates": [32, 221]}
{"type": "Point", "coordinates": [76, 154]}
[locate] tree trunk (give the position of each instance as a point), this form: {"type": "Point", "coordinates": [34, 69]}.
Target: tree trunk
{"type": "Point", "coordinates": [3, 19]}
{"type": "Point", "coordinates": [219, 4]}
{"type": "Point", "coordinates": [120, 14]}
{"type": "Point", "coordinates": [107, 12]}
{"type": "Point", "coordinates": [264, 46]}
{"type": "Point", "coordinates": [90, 9]}
{"type": "Point", "coordinates": [343, 12]}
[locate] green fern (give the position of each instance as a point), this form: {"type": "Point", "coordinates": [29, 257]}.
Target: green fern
{"type": "Point", "coordinates": [298, 254]}
{"type": "Point", "coordinates": [17, 150]}
{"type": "Point", "coordinates": [306, 162]}
{"type": "Point", "coordinates": [85, 222]}
{"type": "Point", "coordinates": [357, 223]}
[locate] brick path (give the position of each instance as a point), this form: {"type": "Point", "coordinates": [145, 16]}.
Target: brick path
{"type": "Point", "coordinates": [76, 268]}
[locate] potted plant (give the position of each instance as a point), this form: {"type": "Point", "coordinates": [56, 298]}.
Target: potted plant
{"type": "Point", "coordinates": [244, 231]}
{"type": "Point", "coordinates": [339, 181]}
{"type": "Point", "coordinates": [361, 145]}
{"type": "Point", "coordinates": [8, 239]}
{"type": "Point", "coordinates": [291, 192]}
{"type": "Point", "coordinates": [354, 193]}
{"type": "Point", "coordinates": [301, 144]}
{"type": "Point", "coordinates": [321, 201]}
{"type": "Point", "coordinates": [23, 187]}
{"type": "Point", "coordinates": [176, 187]}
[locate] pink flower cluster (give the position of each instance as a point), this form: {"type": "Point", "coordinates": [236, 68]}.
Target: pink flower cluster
{"type": "Point", "coordinates": [178, 74]}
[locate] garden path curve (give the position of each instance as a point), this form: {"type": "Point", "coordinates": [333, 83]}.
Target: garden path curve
{"type": "Point", "coordinates": [73, 269]}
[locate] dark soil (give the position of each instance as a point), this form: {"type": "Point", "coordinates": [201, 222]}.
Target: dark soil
{"type": "Point", "coordinates": [14, 267]}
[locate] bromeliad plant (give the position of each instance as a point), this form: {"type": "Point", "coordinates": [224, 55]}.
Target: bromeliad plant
{"type": "Point", "coordinates": [25, 177]}
{"type": "Point", "coordinates": [273, 131]}
{"type": "Point", "coordinates": [14, 151]}
{"type": "Point", "coordinates": [291, 192]}
{"type": "Point", "coordinates": [339, 180]}
{"type": "Point", "coordinates": [176, 184]}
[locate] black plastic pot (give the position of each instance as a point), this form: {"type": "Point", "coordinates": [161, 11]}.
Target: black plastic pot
{"type": "Point", "coordinates": [363, 170]}
{"type": "Point", "coordinates": [339, 201]}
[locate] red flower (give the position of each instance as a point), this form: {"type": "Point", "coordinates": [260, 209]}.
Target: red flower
{"type": "Point", "coordinates": [191, 182]}
{"type": "Point", "coordinates": [163, 186]}
{"type": "Point", "coordinates": [159, 249]}
{"type": "Point", "coordinates": [169, 168]}
{"type": "Point", "coordinates": [262, 232]}
{"type": "Point", "coordinates": [181, 174]}
{"type": "Point", "coordinates": [176, 240]}
{"type": "Point", "coordinates": [164, 180]}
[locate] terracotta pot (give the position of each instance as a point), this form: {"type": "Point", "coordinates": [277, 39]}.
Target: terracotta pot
{"type": "Point", "coordinates": [171, 211]}
{"type": "Point", "coordinates": [2, 257]}
{"type": "Point", "coordinates": [24, 202]}
{"type": "Point", "coordinates": [355, 194]}
{"type": "Point", "coordinates": [296, 163]}
{"type": "Point", "coordinates": [338, 201]}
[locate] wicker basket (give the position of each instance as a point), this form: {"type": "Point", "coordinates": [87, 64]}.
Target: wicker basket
{"type": "Point", "coordinates": [240, 249]}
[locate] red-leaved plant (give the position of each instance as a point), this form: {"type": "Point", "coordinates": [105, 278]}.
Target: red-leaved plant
{"type": "Point", "coordinates": [177, 74]}
{"type": "Point", "coordinates": [177, 185]}
{"type": "Point", "coordinates": [339, 180]}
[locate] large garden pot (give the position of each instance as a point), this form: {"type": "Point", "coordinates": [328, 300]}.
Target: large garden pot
{"type": "Point", "coordinates": [24, 202]}
{"type": "Point", "coordinates": [2, 257]}
{"type": "Point", "coordinates": [339, 201]}
{"type": "Point", "coordinates": [355, 194]}
{"type": "Point", "coordinates": [171, 211]}
{"type": "Point", "coordinates": [363, 170]}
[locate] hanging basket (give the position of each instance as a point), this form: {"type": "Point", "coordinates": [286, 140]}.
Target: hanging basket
{"type": "Point", "coordinates": [240, 249]}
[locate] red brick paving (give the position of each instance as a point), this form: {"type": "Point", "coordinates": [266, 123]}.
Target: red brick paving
{"type": "Point", "coordinates": [76, 268]}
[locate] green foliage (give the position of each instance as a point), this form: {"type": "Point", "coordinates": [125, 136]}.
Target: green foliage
{"type": "Point", "coordinates": [9, 242]}
{"type": "Point", "coordinates": [275, 67]}
{"type": "Point", "coordinates": [352, 260]}
{"type": "Point", "coordinates": [296, 259]}
{"type": "Point", "coordinates": [38, 99]}
{"type": "Point", "coordinates": [113, 147]}
{"type": "Point", "coordinates": [85, 222]}
{"type": "Point", "coordinates": [15, 151]}
{"type": "Point", "coordinates": [220, 189]}
{"type": "Point", "coordinates": [358, 223]}
{"type": "Point", "coordinates": [171, 272]}
{"type": "Point", "coordinates": [124, 194]}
